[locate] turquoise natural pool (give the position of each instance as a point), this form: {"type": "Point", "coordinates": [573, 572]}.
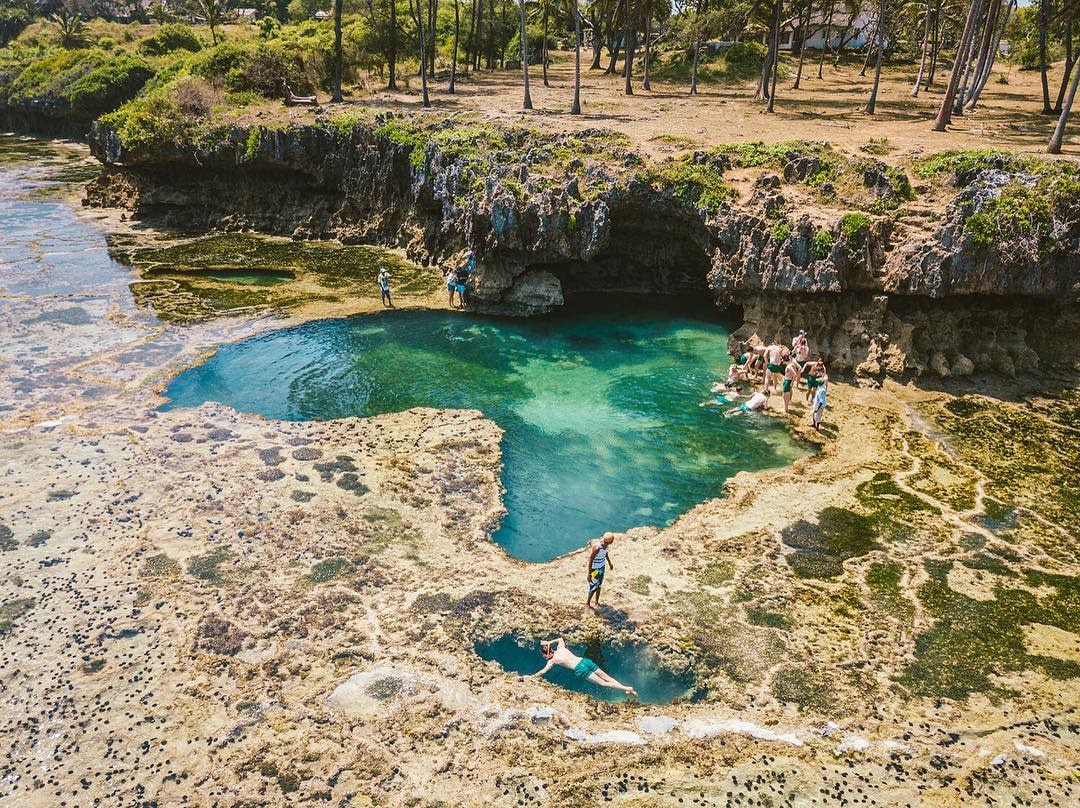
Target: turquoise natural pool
{"type": "Point", "coordinates": [632, 664]}
{"type": "Point", "coordinates": [599, 403]}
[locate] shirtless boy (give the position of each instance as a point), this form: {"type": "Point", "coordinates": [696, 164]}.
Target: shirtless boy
{"type": "Point", "coordinates": [556, 653]}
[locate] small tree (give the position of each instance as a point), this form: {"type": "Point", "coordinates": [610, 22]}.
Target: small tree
{"type": "Point", "coordinates": [213, 11]}
{"type": "Point", "coordinates": [70, 25]}
{"type": "Point", "coordinates": [336, 96]}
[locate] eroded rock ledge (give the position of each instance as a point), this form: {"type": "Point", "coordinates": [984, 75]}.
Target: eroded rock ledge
{"type": "Point", "coordinates": [903, 292]}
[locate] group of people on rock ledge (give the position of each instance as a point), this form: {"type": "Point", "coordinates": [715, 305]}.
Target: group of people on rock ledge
{"type": "Point", "coordinates": [456, 279]}
{"type": "Point", "coordinates": [771, 364]}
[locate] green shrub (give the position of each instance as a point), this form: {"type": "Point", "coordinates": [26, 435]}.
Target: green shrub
{"type": "Point", "coordinates": [171, 37]}
{"type": "Point", "coordinates": [781, 230]}
{"type": "Point", "coordinates": [853, 229]}
{"type": "Point", "coordinates": [108, 86]}
{"type": "Point", "coordinates": [966, 162]}
{"type": "Point", "coordinates": [821, 244]}
{"type": "Point", "coordinates": [1017, 213]}
{"type": "Point", "coordinates": [744, 59]}
{"type": "Point", "coordinates": [695, 184]}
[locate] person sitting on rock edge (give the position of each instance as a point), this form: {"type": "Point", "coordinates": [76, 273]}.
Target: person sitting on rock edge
{"type": "Point", "coordinates": [556, 653]}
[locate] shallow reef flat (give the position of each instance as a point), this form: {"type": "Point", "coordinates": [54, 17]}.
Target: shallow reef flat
{"type": "Point", "coordinates": [200, 602]}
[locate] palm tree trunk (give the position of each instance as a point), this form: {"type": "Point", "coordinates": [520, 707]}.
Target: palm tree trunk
{"type": "Point", "coordinates": [1058, 138]}
{"type": "Point", "coordinates": [575, 108]}
{"type": "Point", "coordinates": [391, 57]}
{"type": "Point", "coordinates": [776, 55]}
{"type": "Point", "coordinates": [616, 47]}
{"type": "Point", "coordinates": [871, 105]}
{"type": "Point", "coordinates": [491, 35]}
{"type": "Point", "coordinates": [1069, 64]}
{"type": "Point", "coordinates": [870, 48]}
{"type": "Point", "coordinates": [802, 43]}
{"type": "Point", "coordinates": [457, 35]}
{"type": "Point", "coordinates": [645, 85]}
{"type": "Point", "coordinates": [336, 96]}
{"type": "Point", "coordinates": [419, 17]}
{"type": "Point", "coordinates": [544, 48]}
{"type": "Point", "coordinates": [988, 65]}
{"type": "Point", "coordinates": [433, 16]}
{"type": "Point", "coordinates": [828, 40]}
{"type": "Point", "coordinates": [1044, 14]}
{"type": "Point", "coordinates": [969, 57]}
{"type": "Point", "coordinates": [925, 46]}
{"type": "Point", "coordinates": [527, 103]}
{"type": "Point", "coordinates": [944, 116]}
{"type": "Point", "coordinates": [983, 53]}
{"type": "Point", "coordinates": [630, 35]}
{"type": "Point", "coordinates": [697, 49]}
{"type": "Point", "coordinates": [935, 47]}
{"type": "Point", "coordinates": [597, 42]}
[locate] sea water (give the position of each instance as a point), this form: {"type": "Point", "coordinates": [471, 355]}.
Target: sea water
{"type": "Point", "coordinates": [599, 403]}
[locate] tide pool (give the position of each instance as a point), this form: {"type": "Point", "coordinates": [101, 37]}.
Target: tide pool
{"type": "Point", "coordinates": [599, 403]}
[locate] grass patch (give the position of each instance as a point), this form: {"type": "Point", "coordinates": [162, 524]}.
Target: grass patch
{"type": "Point", "coordinates": [207, 567]}
{"type": "Point", "coordinates": [160, 566]}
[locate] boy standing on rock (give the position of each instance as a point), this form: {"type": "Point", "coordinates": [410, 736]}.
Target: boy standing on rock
{"type": "Point", "coordinates": [774, 357]}
{"type": "Point", "coordinates": [791, 378]}
{"type": "Point", "coordinates": [599, 561]}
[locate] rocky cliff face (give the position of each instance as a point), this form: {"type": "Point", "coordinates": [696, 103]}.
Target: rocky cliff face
{"type": "Point", "coordinates": [882, 295]}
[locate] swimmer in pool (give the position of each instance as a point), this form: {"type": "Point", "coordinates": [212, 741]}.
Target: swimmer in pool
{"type": "Point", "coordinates": [556, 653]}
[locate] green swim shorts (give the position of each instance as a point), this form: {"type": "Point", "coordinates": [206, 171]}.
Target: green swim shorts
{"type": "Point", "coordinates": [775, 368]}
{"type": "Point", "coordinates": [584, 668]}
{"type": "Point", "coordinates": [812, 382]}
{"type": "Point", "coordinates": [787, 385]}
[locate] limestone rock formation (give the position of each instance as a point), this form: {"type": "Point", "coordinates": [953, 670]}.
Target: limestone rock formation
{"type": "Point", "coordinates": [881, 295]}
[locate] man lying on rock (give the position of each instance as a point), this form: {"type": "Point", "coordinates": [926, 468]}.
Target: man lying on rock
{"type": "Point", "coordinates": [556, 653]}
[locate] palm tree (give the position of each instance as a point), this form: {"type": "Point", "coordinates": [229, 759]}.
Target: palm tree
{"type": "Point", "coordinates": [545, 9]}
{"type": "Point", "coordinates": [337, 52]}
{"type": "Point", "coordinates": [1056, 140]}
{"type": "Point", "coordinates": [69, 22]}
{"type": "Point", "coordinates": [645, 85]}
{"type": "Point", "coordinates": [457, 36]}
{"type": "Point", "coordinates": [213, 11]}
{"type": "Point", "coordinates": [575, 108]}
{"type": "Point", "coordinates": [871, 105]}
{"type": "Point", "coordinates": [418, 18]}
{"type": "Point", "coordinates": [525, 56]}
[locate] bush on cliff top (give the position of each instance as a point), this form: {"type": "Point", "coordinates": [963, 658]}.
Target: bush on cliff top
{"type": "Point", "coordinates": [171, 37]}
{"type": "Point", "coordinates": [696, 184]}
{"type": "Point", "coordinates": [87, 82]}
{"type": "Point", "coordinates": [1031, 217]}
{"type": "Point", "coordinates": [109, 85]}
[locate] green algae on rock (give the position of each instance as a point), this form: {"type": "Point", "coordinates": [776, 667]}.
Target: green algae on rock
{"type": "Point", "coordinates": [975, 640]}
{"type": "Point", "coordinates": [229, 273]}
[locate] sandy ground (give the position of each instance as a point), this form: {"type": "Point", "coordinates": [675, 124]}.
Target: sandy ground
{"type": "Point", "coordinates": [830, 109]}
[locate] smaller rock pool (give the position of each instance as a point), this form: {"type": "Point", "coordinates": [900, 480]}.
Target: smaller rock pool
{"type": "Point", "coordinates": [634, 664]}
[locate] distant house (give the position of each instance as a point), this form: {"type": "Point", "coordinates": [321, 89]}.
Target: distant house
{"type": "Point", "coordinates": [246, 14]}
{"type": "Point", "coordinates": [855, 32]}
{"type": "Point", "coordinates": [324, 15]}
